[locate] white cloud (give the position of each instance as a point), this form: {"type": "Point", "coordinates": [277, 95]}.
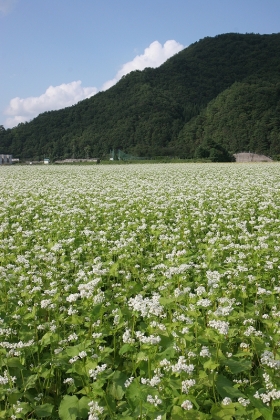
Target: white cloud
{"type": "Point", "coordinates": [57, 97]}
{"type": "Point", "coordinates": [6, 6]}
{"type": "Point", "coordinates": [155, 55]}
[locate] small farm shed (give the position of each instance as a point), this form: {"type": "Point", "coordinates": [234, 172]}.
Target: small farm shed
{"type": "Point", "coordinates": [245, 157]}
{"type": "Point", "coordinates": [5, 159]}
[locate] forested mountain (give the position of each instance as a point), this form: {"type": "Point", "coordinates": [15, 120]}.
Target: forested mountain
{"type": "Point", "coordinates": [219, 96]}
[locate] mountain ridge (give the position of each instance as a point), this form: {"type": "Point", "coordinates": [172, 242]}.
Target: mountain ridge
{"type": "Point", "coordinates": [221, 91]}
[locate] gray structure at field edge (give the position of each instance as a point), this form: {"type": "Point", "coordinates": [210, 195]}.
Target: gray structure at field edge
{"type": "Point", "coordinates": [251, 157]}
{"type": "Point", "coordinates": [5, 159]}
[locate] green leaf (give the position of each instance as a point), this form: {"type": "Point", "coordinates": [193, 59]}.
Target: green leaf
{"type": "Point", "coordinates": [135, 394]}
{"type": "Point", "coordinates": [46, 339]}
{"type": "Point", "coordinates": [166, 301]}
{"type": "Point", "coordinates": [114, 270]}
{"type": "Point", "coordinates": [195, 415]}
{"type": "Point", "coordinates": [169, 351]}
{"type": "Point", "coordinates": [31, 382]}
{"type": "Point", "coordinates": [233, 392]}
{"type": "Point", "coordinates": [84, 407]}
{"type": "Point", "coordinates": [258, 404]}
{"type": "Point", "coordinates": [225, 388]}
{"type": "Point", "coordinates": [126, 348]}
{"type": "Point", "coordinates": [76, 320]}
{"type": "Point", "coordinates": [71, 407]}
{"type": "Point", "coordinates": [256, 414]}
{"type": "Point", "coordinates": [177, 413]}
{"type": "Point", "coordinates": [44, 410]}
{"type": "Point", "coordinates": [15, 362]}
{"type": "Point", "coordinates": [222, 413]}
{"type": "Point", "coordinates": [117, 388]}
{"type": "Point", "coordinates": [266, 413]}
{"type": "Point", "coordinates": [141, 356]}
{"type": "Point", "coordinates": [14, 397]}
{"type": "Point", "coordinates": [25, 408]}
{"type": "Point", "coordinates": [68, 408]}
{"type": "Point", "coordinates": [210, 364]}
{"type": "Point", "coordinates": [75, 350]}
{"type": "Point", "coordinates": [46, 373]}
{"type": "Point", "coordinates": [237, 366]}
{"type": "Point", "coordinates": [127, 418]}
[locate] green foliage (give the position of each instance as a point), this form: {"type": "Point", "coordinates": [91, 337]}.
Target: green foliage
{"type": "Point", "coordinates": [213, 151]}
{"type": "Point", "coordinates": [44, 410]}
{"type": "Point", "coordinates": [224, 88]}
{"type": "Point", "coordinates": [72, 408]}
{"type": "Point", "coordinates": [244, 117]}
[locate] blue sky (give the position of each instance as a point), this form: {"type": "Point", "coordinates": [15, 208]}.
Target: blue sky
{"type": "Point", "coordinates": [54, 53]}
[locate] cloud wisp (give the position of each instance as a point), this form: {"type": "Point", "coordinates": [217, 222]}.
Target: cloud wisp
{"type": "Point", "coordinates": [67, 94]}
{"type": "Point", "coordinates": [6, 6]}
{"type": "Point", "coordinates": [155, 55]}
{"type": "Point", "coordinates": [55, 97]}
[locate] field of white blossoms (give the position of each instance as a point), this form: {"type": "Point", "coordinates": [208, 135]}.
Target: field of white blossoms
{"type": "Point", "coordinates": [140, 292]}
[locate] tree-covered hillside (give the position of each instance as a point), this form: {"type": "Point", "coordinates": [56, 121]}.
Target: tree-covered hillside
{"type": "Point", "coordinates": [244, 117]}
{"type": "Point", "coordinates": [220, 93]}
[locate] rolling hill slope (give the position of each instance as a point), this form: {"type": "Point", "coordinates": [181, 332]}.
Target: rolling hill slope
{"type": "Point", "coordinates": [222, 91]}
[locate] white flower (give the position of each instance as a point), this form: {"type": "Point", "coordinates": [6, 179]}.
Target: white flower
{"type": "Point", "coordinates": [94, 372]}
{"type": "Point", "coordinates": [73, 297]}
{"type": "Point", "coordinates": [152, 339]}
{"type": "Point", "coordinates": [73, 337]}
{"type": "Point", "coordinates": [226, 401]}
{"type": "Point", "coordinates": [73, 359]}
{"type": "Point", "coordinates": [200, 290]}
{"type": "Point", "coordinates": [96, 335]}
{"type": "Point", "coordinates": [267, 358]}
{"type": "Point", "coordinates": [185, 330]}
{"type": "Point", "coordinates": [154, 400]}
{"type": "Point", "coordinates": [187, 405]}
{"type": "Point", "coordinates": [127, 337]}
{"type": "Point", "coordinates": [69, 381]}
{"type": "Point", "coordinates": [186, 385]}
{"type": "Point", "coordinates": [45, 303]}
{"type": "Point", "coordinates": [204, 352]}
{"type": "Point", "coordinates": [72, 311]}
{"type": "Point", "coordinates": [243, 402]}
{"type": "Point", "coordinates": [154, 381]}
{"type": "Point", "coordinates": [181, 366]}
{"type": "Point", "coordinates": [94, 410]}
{"type": "Point", "coordinates": [205, 303]}
{"type": "Point", "coordinates": [6, 378]}
{"type": "Point", "coordinates": [146, 306]}
{"type": "Point", "coordinates": [213, 278]}
{"type": "Point", "coordinates": [128, 381]}
{"type": "Point", "coordinates": [221, 326]}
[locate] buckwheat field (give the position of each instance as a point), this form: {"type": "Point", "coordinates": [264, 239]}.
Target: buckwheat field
{"type": "Point", "coordinates": [140, 292]}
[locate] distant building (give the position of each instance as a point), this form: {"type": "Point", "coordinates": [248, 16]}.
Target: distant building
{"type": "Point", "coordinates": [5, 159]}
{"type": "Point", "coordinates": [245, 157]}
